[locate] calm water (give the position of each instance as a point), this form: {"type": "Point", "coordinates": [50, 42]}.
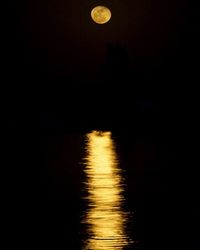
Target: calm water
{"type": "Point", "coordinates": [98, 188]}
{"type": "Point", "coordinates": [104, 218]}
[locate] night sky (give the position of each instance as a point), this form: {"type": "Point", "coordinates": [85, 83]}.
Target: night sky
{"type": "Point", "coordinates": [67, 64]}
{"type": "Point", "coordinates": [59, 37]}
{"type": "Point", "coordinates": [147, 49]}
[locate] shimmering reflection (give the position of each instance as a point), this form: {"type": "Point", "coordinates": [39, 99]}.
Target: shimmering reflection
{"type": "Point", "coordinates": [104, 217]}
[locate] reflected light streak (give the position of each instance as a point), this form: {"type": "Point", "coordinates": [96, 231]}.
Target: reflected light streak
{"type": "Point", "coordinates": [104, 217]}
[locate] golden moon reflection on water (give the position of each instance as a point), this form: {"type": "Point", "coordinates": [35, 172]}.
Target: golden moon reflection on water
{"type": "Point", "coordinates": [104, 217]}
{"type": "Point", "coordinates": [101, 14]}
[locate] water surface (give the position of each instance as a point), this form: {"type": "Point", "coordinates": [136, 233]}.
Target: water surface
{"type": "Point", "coordinates": [105, 219]}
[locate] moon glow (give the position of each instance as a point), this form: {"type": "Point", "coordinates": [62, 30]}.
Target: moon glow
{"type": "Point", "coordinates": [101, 14]}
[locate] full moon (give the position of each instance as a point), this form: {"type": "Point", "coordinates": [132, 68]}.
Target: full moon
{"type": "Point", "coordinates": [101, 14]}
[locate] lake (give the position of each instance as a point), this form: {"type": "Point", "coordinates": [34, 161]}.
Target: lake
{"type": "Point", "coordinates": [105, 190]}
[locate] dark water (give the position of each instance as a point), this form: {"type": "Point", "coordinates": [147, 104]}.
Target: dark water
{"type": "Point", "coordinates": [85, 192]}
{"type": "Point", "coordinates": [108, 190]}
